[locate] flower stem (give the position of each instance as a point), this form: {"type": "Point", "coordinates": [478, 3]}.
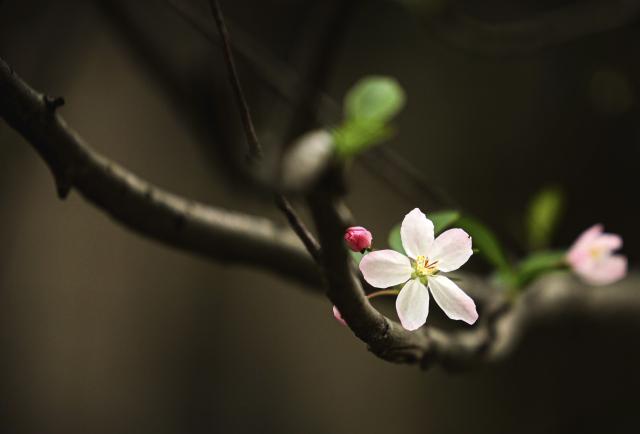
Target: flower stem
{"type": "Point", "coordinates": [383, 292]}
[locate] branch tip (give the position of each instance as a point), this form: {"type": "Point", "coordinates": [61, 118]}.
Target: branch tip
{"type": "Point", "coordinates": [53, 103]}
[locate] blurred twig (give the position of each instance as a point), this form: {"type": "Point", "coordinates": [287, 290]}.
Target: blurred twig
{"type": "Point", "coordinates": [276, 75]}
{"type": "Point", "coordinates": [318, 70]}
{"type": "Point", "coordinates": [398, 164]}
{"type": "Point", "coordinates": [186, 87]}
{"type": "Point", "coordinates": [288, 85]}
{"type": "Point", "coordinates": [282, 203]}
{"type": "Point", "coordinates": [255, 149]}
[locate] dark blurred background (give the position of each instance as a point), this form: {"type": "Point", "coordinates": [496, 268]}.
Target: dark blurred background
{"type": "Point", "coordinates": [102, 331]}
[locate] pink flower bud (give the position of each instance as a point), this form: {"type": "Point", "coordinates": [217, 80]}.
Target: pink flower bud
{"type": "Point", "coordinates": [593, 257]}
{"type": "Point", "coordinates": [358, 238]}
{"type": "Point", "coordinates": [338, 316]}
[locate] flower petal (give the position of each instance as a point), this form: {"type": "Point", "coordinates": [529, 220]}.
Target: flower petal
{"type": "Point", "coordinates": [385, 268]}
{"type": "Point", "coordinates": [580, 247]}
{"type": "Point", "coordinates": [416, 233]}
{"type": "Point", "coordinates": [451, 249]}
{"type": "Point", "coordinates": [608, 242]}
{"type": "Point", "coordinates": [338, 316]}
{"type": "Point", "coordinates": [412, 305]}
{"type": "Point", "coordinates": [605, 271]}
{"type": "Point", "coordinates": [453, 301]}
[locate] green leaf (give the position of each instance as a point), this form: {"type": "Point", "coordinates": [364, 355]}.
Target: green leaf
{"type": "Point", "coordinates": [354, 136]}
{"type": "Point", "coordinates": [369, 106]}
{"type": "Point", "coordinates": [443, 219]}
{"type": "Point", "coordinates": [487, 242]}
{"type": "Point", "coordinates": [537, 264]}
{"type": "Point", "coordinates": [543, 215]}
{"type": "Point", "coordinates": [374, 98]}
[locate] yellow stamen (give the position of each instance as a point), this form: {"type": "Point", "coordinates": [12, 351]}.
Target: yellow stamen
{"type": "Point", "coordinates": [596, 253]}
{"type": "Point", "coordinates": [421, 265]}
{"type": "Point", "coordinates": [423, 268]}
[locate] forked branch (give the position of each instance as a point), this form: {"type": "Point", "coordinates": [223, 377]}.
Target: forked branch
{"type": "Point", "coordinates": [224, 236]}
{"type": "Point", "coordinates": [231, 237]}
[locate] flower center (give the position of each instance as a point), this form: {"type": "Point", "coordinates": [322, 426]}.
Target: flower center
{"type": "Point", "coordinates": [423, 268]}
{"type": "Point", "coordinates": [596, 253]}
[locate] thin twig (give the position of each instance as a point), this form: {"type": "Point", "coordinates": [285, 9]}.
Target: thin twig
{"type": "Point", "coordinates": [287, 84]}
{"type": "Point", "coordinates": [313, 247]}
{"type": "Point", "coordinates": [318, 71]}
{"type": "Point", "coordinates": [255, 149]}
{"type": "Point", "coordinates": [281, 202]}
{"type": "Point", "coordinates": [413, 175]}
{"type": "Point", "coordinates": [280, 78]}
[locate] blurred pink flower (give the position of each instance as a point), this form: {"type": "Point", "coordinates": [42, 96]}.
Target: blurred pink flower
{"type": "Point", "coordinates": [427, 260]}
{"type": "Point", "coordinates": [358, 238]}
{"type": "Point", "coordinates": [592, 257]}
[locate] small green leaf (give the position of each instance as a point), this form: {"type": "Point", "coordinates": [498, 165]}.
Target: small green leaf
{"type": "Point", "coordinates": [374, 98]}
{"type": "Point", "coordinates": [537, 264]}
{"type": "Point", "coordinates": [395, 240]}
{"type": "Point", "coordinates": [487, 242]}
{"type": "Point", "coordinates": [543, 216]}
{"type": "Point", "coordinates": [369, 106]}
{"type": "Point", "coordinates": [443, 219]}
{"type": "Point", "coordinates": [354, 136]}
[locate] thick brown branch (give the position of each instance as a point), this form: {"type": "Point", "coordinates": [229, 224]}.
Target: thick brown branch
{"type": "Point", "coordinates": [558, 298]}
{"type": "Point", "coordinates": [384, 338]}
{"type": "Point", "coordinates": [501, 326]}
{"type": "Point", "coordinates": [221, 235]}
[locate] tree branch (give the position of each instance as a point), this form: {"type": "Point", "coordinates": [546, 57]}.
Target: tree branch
{"type": "Point", "coordinates": [300, 229]}
{"type": "Point", "coordinates": [276, 75]}
{"type": "Point", "coordinates": [286, 83]}
{"type": "Point", "coordinates": [236, 238]}
{"type": "Point", "coordinates": [186, 87]}
{"type": "Point", "coordinates": [502, 324]}
{"type": "Point", "coordinates": [256, 149]}
{"type": "Point", "coordinates": [221, 235]}
{"type": "Point", "coordinates": [384, 338]}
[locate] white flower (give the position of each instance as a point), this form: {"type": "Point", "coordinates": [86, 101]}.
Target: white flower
{"type": "Point", "coordinates": [428, 259]}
